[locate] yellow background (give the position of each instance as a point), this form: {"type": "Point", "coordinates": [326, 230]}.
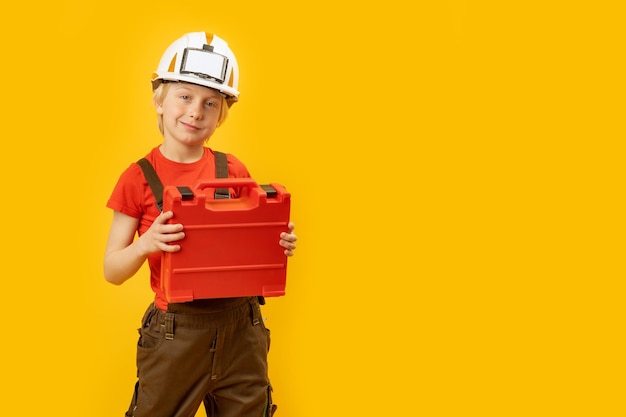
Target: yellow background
{"type": "Point", "coordinates": [457, 176]}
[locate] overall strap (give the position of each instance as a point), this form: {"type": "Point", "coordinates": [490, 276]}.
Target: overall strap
{"type": "Point", "coordinates": [153, 181]}
{"type": "Point", "coordinates": [221, 171]}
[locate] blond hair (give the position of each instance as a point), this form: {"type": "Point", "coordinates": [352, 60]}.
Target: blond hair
{"type": "Point", "coordinates": [161, 91]}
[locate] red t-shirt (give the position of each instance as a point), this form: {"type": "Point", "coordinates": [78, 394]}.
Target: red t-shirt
{"type": "Point", "coordinates": [132, 196]}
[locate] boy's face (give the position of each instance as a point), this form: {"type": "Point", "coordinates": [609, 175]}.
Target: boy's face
{"type": "Point", "coordinates": [190, 113]}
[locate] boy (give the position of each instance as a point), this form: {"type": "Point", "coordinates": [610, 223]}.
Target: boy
{"type": "Point", "coordinates": [215, 350]}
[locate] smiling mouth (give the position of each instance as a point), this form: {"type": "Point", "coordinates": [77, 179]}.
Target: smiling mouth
{"type": "Point", "coordinates": [191, 127]}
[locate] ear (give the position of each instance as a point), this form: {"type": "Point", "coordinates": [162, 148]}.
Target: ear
{"type": "Point", "coordinates": [159, 108]}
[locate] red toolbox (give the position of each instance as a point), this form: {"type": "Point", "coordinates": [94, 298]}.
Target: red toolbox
{"type": "Point", "coordinates": [231, 246]}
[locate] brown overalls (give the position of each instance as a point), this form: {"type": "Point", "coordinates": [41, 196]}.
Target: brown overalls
{"type": "Point", "coordinates": [206, 351]}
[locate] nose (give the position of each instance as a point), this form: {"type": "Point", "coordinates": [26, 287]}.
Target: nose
{"type": "Point", "coordinates": [195, 111]}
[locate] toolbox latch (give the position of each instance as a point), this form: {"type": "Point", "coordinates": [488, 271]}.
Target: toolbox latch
{"type": "Point", "coordinates": [269, 190]}
{"type": "Point", "coordinates": [185, 193]}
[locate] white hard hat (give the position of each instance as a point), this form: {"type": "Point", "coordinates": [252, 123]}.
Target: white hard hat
{"type": "Point", "coordinates": [200, 58]}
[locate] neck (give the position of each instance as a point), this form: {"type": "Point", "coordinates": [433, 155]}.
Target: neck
{"type": "Point", "coordinates": [185, 155]}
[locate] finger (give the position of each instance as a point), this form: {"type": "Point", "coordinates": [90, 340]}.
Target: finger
{"type": "Point", "coordinates": [164, 217]}
{"type": "Point", "coordinates": [291, 237]}
{"type": "Point", "coordinates": [171, 228]}
{"type": "Point", "coordinates": [287, 244]}
{"type": "Point", "coordinates": [172, 237]}
{"type": "Point", "coordinates": [169, 248]}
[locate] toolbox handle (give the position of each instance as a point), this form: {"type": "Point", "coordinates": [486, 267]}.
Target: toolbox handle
{"type": "Point", "coordinates": [227, 183]}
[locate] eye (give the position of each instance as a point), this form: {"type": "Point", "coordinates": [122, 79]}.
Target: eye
{"type": "Point", "coordinates": [211, 104]}
{"type": "Point", "coordinates": [185, 97]}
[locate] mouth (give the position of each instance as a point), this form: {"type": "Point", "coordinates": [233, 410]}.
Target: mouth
{"type": "Point", "coordinates": [190, 126]}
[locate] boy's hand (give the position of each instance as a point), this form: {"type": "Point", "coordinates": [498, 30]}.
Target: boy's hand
{"type": "Point", "coordinates": [160, 234]}
{"type": "Point", "coordinates": [288, 240]}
